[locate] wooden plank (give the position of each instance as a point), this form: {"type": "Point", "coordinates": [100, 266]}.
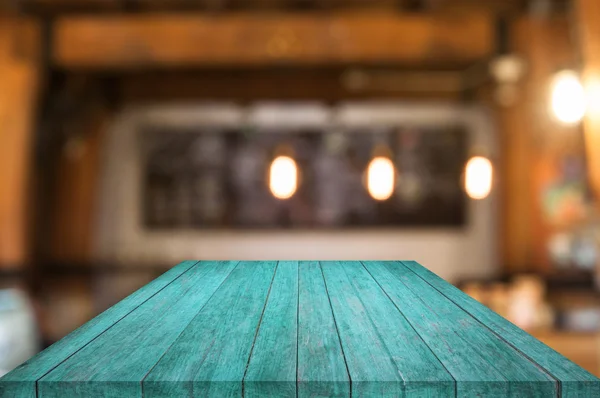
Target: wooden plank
{"type": "Point", "coordinates": [211, 355]}
{"type": "Point", "coordinates": [226, 5]}
{"type": "Point", "coordinates": [21, 382]}
{"type": "Point", "coordinates": [574, 381]}
{"type": "Point", "coordinates": [305, 329]}
{"type": "Point", "coordinates": [271, 369]}
{"type": "Point", "coordinates": [115, 363]}
{"type": "Point", "coordinates": [20, 50]}
{"type": "Point", "coordinates": [371, 369]}
{"type": "Point", "coordinates": [246, 39]}
{"type": "Point", "coordinates": [322, 370]}
{"type": "Point", "coordinates": [481, 362]}
{"type": "Point", "coordinates": [385, 356]}
{"type": "Point", "coordinates": [588, 23]}
{"type": "Point", "coordinates": [57, 6]}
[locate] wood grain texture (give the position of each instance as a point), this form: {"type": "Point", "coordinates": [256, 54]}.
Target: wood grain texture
{"type": "Point", "coordinates": [322, 370]}
{"type": "Point", "coordinates": [271, 370]}
{"type": "Point", "coordinates": [210, 357]}
{"type": "Point", "coordinates": [479, 360]}
{"type": "Point", "coordinates": [114, 363]}
{"type": "Point", "coordinates": [574, 380]}
{"type": "Point", "coordinates": [21, 382]}
{"type": "Point", "coordinates": [298, 329]}
{"type": "Point", "coordinates": [385, 355]}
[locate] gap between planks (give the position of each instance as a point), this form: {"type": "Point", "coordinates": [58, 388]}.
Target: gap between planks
{"type": "Point", "coordinates": [334, 320]}
{"type": "Point", "coordinates": [297, 328]}
{"type": "Point", "coordinates": [337, 331]}
{"type": "Point", "coordinates": [37, 394]}
{"type": "Point", "coordinates": [558, 382]}
{"type": "Point", "coordinates": [182, 330]}
{"type": "Point", "coordinates": [412, 327]}
{"type": "Point", "coordinates": [256, 333]}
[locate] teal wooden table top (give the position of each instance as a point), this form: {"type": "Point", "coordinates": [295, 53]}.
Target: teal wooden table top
{"type": "Point", "coordinates": [298, 329]}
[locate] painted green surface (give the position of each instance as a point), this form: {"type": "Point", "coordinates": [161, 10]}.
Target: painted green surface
{"type": "Point", "coordinates": [113, 364]}
{"type": "Point", "coordinates": [305, 329]}
{"type": "Point", "coordinates": [322, 370]}
{"type": "Point", "coordinates": [271, 370]}
{"type": "Point", "coordinates": [385, 355]}
{"type": "Point", "coordinates": [574, 380]}
{"type": "Point", "coordinates": [21, 382]}
{"type": "Point", "coordinates": [210, 357]}
{"type": "Point", "coordinates": [470, 351]}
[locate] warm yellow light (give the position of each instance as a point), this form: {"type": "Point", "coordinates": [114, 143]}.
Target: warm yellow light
{"type": "Point", "coordinates": [568, 97]}
{"type": "Point", "coordinates": [592, 86]}
{"type": "Point", "coordinates": [478, 177]}
{"type": "Point", "coordinates": [283, 177]}
{"type": "Point", "coordinates": [380, 178]}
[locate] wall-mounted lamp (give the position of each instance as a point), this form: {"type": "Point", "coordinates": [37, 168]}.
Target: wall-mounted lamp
{"type": "Point", "coordinates": [479, 174]}
{"type": "Point", "coordinates": [283, 177]}
{"type": "Point", "coordinates": [568, 102]}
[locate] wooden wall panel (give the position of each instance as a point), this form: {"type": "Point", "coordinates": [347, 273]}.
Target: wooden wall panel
{"type": "Point", "coordinates": [534, 142]}
{"type": "Point", "coordinates": [588, 20]}
{"type": "Point", "coordinates": [78, 174]}
{"type": "Point", "coordinates": [19, 56]}
{"type": "Point", "coordinates": [552, 49]}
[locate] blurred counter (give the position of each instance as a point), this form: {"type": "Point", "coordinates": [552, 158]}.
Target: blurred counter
{"type": "Point", "coordinates": [581, 348]}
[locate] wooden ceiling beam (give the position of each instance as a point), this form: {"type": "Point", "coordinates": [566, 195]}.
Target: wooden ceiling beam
{"type": "Point", "coordinates": [413, 5]}
{"type": "Point", "coordinates": [245, 39]}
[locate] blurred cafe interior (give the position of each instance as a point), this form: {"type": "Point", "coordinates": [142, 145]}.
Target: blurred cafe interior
{"type": "Point", "coordinates": [463, 134]}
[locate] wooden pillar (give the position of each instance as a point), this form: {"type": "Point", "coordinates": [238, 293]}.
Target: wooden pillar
{"type": "Point", "coordinates": [588, 25]}
{"type": "Point", "coordinates": [19, 58]}
{"type": "Point", "coordinates": [532, 141]}
{"type": "Point", "coordinates": [515, 141]}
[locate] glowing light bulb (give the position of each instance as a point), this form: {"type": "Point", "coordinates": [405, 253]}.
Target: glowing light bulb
{"type": "Point", "coordinates": [568, 98]}
{"type": "Point", "coordinates": [478, 177]}
{"type": "Point", "coordinates": [283, 177]}
{"type": "Point", "coordinates": [380, 178]}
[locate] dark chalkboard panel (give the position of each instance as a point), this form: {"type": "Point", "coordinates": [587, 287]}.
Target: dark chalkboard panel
{"type": "Point", "coordinates": [214, 177]}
